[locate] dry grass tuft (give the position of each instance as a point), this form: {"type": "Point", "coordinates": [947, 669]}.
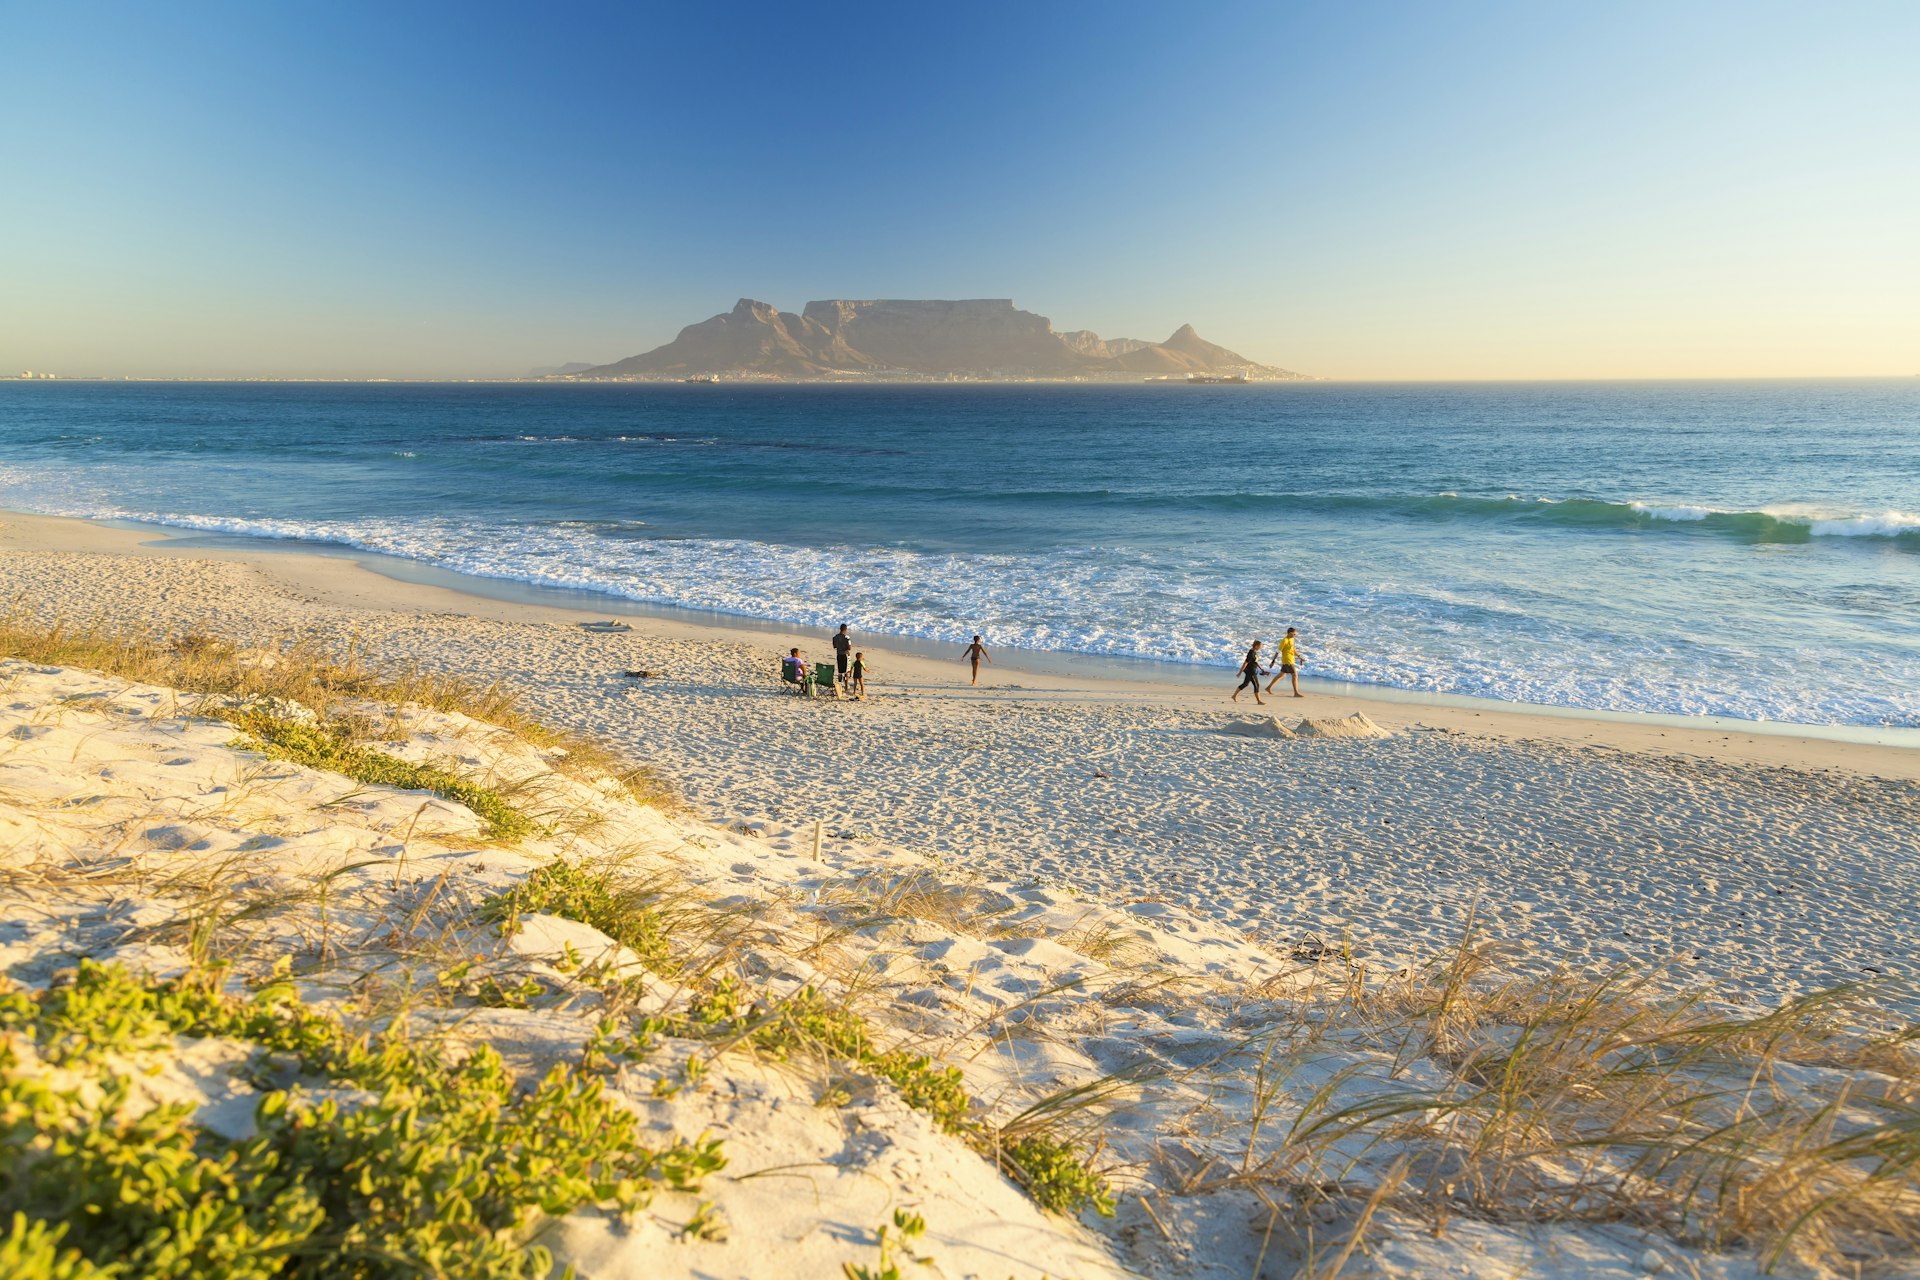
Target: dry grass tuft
{"type": "Point", "coordinates": [342, 686]}
{"type": "Point", "coordinates": [880, 896]}
{"type": "Point", "coordinates": [1793, 1132]}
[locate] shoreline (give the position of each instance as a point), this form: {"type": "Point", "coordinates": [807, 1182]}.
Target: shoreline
{"type": "Point", "coordinates": [1747, 866]}
{"type": "Point", "coordinates": [357, 579]}
{"type": "Point", "coordinates": [1107, 668]}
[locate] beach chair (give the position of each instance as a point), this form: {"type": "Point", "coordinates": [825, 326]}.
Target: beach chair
{"type": "Point", "coordinates": [797, 677]}
{"type": "Point", "coordinates": [824, 678]}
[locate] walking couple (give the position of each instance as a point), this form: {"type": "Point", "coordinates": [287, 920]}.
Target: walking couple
{"type": "Point", "coordinates": [1251, 671]}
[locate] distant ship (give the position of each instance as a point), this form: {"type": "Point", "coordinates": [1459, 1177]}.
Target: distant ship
{"type": "Point", "coordinates": [702, 377]}
{"type": "Point", "coordinates": [1195, 378]}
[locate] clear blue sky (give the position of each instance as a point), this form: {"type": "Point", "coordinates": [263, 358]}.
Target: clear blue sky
{"type": "Point", "coordinates": [1359, 190]}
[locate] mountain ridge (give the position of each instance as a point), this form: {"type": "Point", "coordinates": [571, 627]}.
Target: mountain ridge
{"type": "Point", "coordinates": [880, 338]}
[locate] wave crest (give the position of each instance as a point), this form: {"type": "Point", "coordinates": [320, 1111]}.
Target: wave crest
{"type": "Point", "coordinates": [1783, 522]}
{"type": "Point", "coordinates": [1790, 524]}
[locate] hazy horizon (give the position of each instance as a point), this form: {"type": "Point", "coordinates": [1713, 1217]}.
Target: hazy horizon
{"type": "Point", "coordinates": [1401, 193]}
{"type": "Point", "coordinates": [856, 380]}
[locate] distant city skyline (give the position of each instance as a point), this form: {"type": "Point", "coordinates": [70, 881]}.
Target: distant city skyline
{"type": "Point", "coordinates": [1394, 191]}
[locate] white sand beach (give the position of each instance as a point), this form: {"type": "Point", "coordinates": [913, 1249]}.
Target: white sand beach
{"type": "Point", "coordinates": [1760, 864]}
{"type": "Point", "coordinates": [1119, 897]}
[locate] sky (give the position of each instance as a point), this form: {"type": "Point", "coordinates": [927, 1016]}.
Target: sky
{"type": "Point", "coordinates": [1371, 190]}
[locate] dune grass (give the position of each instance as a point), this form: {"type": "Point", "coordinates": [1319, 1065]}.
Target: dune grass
{"type": "Point", "coordinates": [620, 907]}
{"type": "Point", "coordinates": [807, 1022]}
{"type": "Point", "coordinates": [331, 747]}
{"type": "Point", "coordinates": [296, 704]}
{"type": "Point", "coordinates": [1053, 1170]}
{"type": "Point", "coordinates": [1793, 1132]}
{"type": "Point", "coordinates": [340, 684]}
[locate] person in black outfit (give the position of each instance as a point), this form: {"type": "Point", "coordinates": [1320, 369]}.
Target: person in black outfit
{"type": "Point", "coordinates": [1250, 674]}
{"type": "Point", "coordinates": [842, 650]}
{"type": "Point", "coordinates": [973, 653]}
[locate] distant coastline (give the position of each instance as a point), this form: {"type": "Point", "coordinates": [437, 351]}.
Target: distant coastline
{"type": "Point", "coordinates": [528, 379]}
{"type": "Point", "coordinates": [917, 340]}
{"type": "Point", "coordinates": [736, 379]}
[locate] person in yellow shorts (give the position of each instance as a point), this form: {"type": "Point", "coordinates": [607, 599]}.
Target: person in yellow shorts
{"type": "Point", "coordinates": [1289, 663]}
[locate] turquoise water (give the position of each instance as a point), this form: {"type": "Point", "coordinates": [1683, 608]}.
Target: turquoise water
{"type": "Point", "coordinates": [1745, 549]}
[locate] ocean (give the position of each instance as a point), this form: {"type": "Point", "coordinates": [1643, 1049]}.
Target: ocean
{"type": "Point", "coordinates": [1739, 549]}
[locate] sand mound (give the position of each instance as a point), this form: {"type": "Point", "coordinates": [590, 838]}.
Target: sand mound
{"type": "Point", "coordinates": [1354, 726]}
{"type": "Point", "coordinates": [169, 795]}
{"type": "Point", "coordinates": [1266, 727]}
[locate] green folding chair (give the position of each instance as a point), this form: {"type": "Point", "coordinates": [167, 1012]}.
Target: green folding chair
{"type": "Point", "coordinates": [823, 677]}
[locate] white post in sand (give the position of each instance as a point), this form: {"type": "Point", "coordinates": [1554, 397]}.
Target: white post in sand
{"type": "Point", "coordinates": [816, 839]}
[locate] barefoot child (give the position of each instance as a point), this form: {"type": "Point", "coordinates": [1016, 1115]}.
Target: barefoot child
{"type": "Point", "coordinates": [973, 654]}
{"type": "Point", "coordinates": [857, 676]}
{"type": "Point", "coordinates": [1250, 674]}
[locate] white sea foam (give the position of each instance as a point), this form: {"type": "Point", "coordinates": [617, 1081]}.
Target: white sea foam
{"type": "Point", "coordinates": [1820, 522]}
{"type": "Point", "coordinates": [1887, 524]}
{"type": "Point", "coordinates": [1122, 604]}
{"type": "Point", "coordinates": [1484, 632]}
{"type": "Point", "coordinates": [1681, 513]}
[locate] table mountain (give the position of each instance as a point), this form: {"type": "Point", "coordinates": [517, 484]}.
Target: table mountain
{"type": "Point", "coordinates": [975, 337]}
{"type": "Point", "coordinates": [1089, 343]}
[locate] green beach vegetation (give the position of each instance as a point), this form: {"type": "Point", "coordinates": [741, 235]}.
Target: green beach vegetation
{"type": "Point", "coordinates": [425, 1164]}
{"type": "Point", "coordinates": [1340, 1102]}
{"type": "Point", "coordinates": [435, 1158]}
{"type": "Point", "coordinates": [725, 1016]}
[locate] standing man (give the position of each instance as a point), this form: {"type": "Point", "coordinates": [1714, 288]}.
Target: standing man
{"type": "Point", "coordinates": [975, 652]}
{"type": "Point", "coordinates": [1289, 664]}
{"type": "Point", "coordinates": [1250, 674]}
{"type": "Point", "coordinates": [842, 651]}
